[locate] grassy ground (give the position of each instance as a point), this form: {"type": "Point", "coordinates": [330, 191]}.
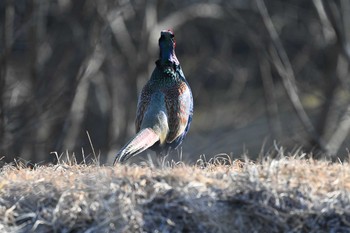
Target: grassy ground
{"type": "Point", "coordinates": [280, 195]}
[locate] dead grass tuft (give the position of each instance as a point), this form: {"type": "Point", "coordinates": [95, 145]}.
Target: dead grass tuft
{"type": "Point", "coordinates": [275, 195]}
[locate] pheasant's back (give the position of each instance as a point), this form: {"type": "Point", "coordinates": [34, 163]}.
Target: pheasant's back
{"type": "Point", "coordinates": [167, 92]}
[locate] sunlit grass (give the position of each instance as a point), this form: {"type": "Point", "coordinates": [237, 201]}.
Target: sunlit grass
{"type": "Point", "coordinates": [286, 194]}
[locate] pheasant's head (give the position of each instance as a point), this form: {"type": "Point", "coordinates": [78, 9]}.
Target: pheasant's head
{"type": "Point", "coordinates": [167, 47]}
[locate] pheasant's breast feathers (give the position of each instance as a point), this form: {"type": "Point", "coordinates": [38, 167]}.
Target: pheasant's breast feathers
{"type": "Point", "coordinates": [168, 79]}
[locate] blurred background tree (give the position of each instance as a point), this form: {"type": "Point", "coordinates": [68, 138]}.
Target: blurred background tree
{"type": "Point", "coordinates": [262, 73]}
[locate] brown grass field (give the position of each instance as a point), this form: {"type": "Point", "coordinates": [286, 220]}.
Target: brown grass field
{"type": "Point", "coordinates": [289, 194]}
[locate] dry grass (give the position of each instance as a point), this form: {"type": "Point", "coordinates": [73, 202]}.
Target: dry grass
{"type": "Point", "coordinates": [282, 195]}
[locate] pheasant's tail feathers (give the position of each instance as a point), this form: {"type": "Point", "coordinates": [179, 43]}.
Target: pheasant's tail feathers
{"type": "Point", "coordinates": [143, 140]}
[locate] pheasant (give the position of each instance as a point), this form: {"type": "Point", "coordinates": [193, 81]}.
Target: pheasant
{"type": "Point", "coordinates": [165, 106]}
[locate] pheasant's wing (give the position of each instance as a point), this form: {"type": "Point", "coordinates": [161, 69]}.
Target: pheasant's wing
{"type": "Point", "coordinates": [142, 105]}
{"type": "Point", "coordinates": [178, 103]}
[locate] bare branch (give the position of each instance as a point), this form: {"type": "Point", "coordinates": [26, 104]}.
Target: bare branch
{"type": "Point", "coordinates": [178, 18]}
{"type": "Point", "coordinates": [8, 19]}
{"type": "Point", "coordinates": [271, 103]}
{"type": "Point", "coordinates": [328, 30]}
{"type": "Point", "coordinates": [122, 35]}
{"type": "Point", "coordinates": [343, 127]}
{"type": "Point", "coordinates": [150, 15]}
{"type": "Point", "coordinates": [340, 134]}
{"type": "Point", "coordinates": [74, 120]}
{"type": "Point", "coordinates": [339, 18]}
{"type": "Point", "coordinates": [285, 70]}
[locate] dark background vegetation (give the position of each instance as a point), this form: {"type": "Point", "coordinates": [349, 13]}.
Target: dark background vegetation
{"type": "Point", "coordinates": [263, 74]}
